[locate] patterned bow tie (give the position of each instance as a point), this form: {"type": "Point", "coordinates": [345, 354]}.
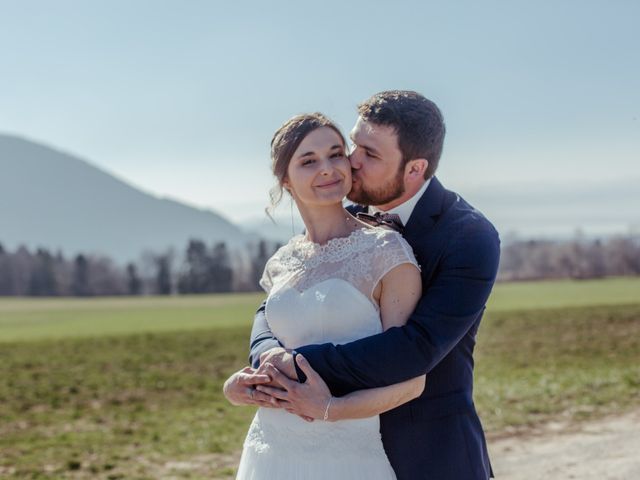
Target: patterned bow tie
{"type": "Point", "coordinates": [390, 220]}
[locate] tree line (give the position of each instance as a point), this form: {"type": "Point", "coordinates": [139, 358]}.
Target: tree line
{"type": "Point", "coordinates": [200, 269]}
{"type": "Point", "coordinates": [578, 258]}
{"type": "Point", "coordinates": [203, 268]}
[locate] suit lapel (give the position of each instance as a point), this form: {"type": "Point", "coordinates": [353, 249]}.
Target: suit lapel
{"type": "Point", "coordinates": [424, 215]}
{"type": "Point", "coordinates": [426, 212]}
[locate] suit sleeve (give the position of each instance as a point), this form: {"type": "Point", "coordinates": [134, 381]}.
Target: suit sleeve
{"type": "Point", "coordinates": [451, 305]}
{"type": "Point", "coordinates": [262, 339]}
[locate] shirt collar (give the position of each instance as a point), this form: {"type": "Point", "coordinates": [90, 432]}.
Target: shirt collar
{"type": "Point", "coordinates": [404, 210]}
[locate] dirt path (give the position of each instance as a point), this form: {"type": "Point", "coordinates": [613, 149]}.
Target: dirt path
{"type": "Point", "coordinates": [604, 449]}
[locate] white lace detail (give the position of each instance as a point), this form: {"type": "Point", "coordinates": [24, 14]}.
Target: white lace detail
{"type": "Point", "coordinates": [360, 259]}
{"type": "Point", "coordinates": [318, 294]}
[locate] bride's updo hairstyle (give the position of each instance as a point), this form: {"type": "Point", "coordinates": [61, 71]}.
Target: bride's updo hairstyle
{"type": "Point", "coordinates": [285, 142]}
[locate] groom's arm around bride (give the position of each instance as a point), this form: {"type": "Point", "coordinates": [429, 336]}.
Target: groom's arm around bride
{"type": "Point", "coordinates": [458, 250]}
{"type": "Point", "coordinates": [438, 435]}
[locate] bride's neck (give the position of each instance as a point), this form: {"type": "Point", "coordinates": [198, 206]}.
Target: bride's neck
{"type": "Point", "coordinates": [327, 222]}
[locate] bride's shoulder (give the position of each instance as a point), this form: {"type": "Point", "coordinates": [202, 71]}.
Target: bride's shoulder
{"type": "Point", "coordinates": [284, 251]}
{"type": "Point", "coordinates": [290, 250]}
{"type": "Point", "coordinates": [280, 264]}
{"type": "Point", "coordinates": [382, 236]}
{"type": "Point", "coordinates": [293, 243]}
{"type": "Point", "coordinates": [389, 243]}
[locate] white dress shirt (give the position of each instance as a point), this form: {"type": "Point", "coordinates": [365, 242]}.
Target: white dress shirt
{"type": "Point", "coordinates": [404, 210]}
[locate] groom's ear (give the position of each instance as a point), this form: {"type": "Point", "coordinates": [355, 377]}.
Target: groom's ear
{"type": "Point", "coordinates": [416, 168]}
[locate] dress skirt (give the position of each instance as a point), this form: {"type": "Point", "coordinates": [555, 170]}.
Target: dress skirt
{"type": "Point", "coordinates": [281, 445]}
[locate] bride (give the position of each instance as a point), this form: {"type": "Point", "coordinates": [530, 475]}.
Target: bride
{"type": "Point", "coordinates": [341, 281]}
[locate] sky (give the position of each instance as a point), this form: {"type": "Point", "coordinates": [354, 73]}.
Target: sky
{"type": "Point", "coordinates": [541, 99]}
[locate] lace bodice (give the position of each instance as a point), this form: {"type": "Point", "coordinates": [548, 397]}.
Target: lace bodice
{"type": "Point", "coordinates": [361, 259]}
{"type": "Point", "coordinates": [324, 293]}
{"type": "Point", "coordinates": [318, 294]}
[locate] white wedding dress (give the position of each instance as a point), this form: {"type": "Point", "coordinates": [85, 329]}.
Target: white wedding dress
{"type": "Point", "coordinates": [319, 294]}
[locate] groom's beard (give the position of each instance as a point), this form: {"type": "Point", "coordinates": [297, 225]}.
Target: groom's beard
{"type": "Point", "coordinates": [391, 190]}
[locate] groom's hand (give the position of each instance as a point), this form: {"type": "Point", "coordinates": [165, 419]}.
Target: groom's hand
{"type": "Point", "coordinates": [281, 359]}
{"type": "Point", "coordinates": [240, 388]}
{"type": "Point", "coordinates": [308, 400]}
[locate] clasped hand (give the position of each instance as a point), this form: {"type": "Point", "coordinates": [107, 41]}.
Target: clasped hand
{"type": "Point", "coordinates": [274, 385]}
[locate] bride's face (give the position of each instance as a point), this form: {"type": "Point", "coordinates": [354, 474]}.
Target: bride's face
{"type": "Point", "coordinates": [319, 172]}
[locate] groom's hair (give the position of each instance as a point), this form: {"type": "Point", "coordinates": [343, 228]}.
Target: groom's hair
{"type": "Point", "coordinates": [416, 120]}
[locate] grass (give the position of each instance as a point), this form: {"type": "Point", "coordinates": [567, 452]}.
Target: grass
{"type": "Point", "coordinates": [54, 318]}
{"type": "Point", "coordinates": [117, 405]}
{"type": "Point", "coordinates": [120, 388]}
{"type": "Point", "coordinates": [572, 364]}
{"type": "Point", "coordinates": [38, 319]}
{"type": "Point", "coordinates": [564, 293]}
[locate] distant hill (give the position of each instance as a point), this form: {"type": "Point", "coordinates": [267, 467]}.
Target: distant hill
{"type": "Point", "coordinates": [55, 200]}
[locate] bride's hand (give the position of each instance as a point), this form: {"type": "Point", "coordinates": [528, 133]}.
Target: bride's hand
{"type": "Point", "coordinates": [239, 388]}
{"type": "Point", "coordinates": [309, 399]}
{"type": "Point", "coordinates": [281, 359]}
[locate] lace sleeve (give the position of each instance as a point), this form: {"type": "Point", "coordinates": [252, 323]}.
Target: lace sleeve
{"type": "Point", "coordinates": [391, 250]}
{"type": "Point", "coordinates": [266, 282]}
{"type": "Point", "coordinates": [275, 269]}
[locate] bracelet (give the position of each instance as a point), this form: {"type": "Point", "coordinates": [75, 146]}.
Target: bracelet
{"type": "Point", "coordinates": [326, 410]}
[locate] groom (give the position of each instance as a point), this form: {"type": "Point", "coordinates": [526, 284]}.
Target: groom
{"type": "Point", "coordinates": [398, 140]}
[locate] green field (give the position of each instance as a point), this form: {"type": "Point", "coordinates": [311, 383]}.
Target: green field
{"type": "Point", "coordinates": [131, 387]}
{"type": "Point", "coordinates": [28, 319]}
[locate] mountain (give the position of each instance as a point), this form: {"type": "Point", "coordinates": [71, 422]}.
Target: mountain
{"type": "Point", "coordinates": [55, 200]}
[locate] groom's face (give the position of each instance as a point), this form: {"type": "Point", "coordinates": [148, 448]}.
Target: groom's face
{"type": "Point", "coordinates": [375, 164]}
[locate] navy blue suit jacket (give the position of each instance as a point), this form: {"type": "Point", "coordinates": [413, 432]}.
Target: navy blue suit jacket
{"type": "Point", "coordinates": [437, 436]}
